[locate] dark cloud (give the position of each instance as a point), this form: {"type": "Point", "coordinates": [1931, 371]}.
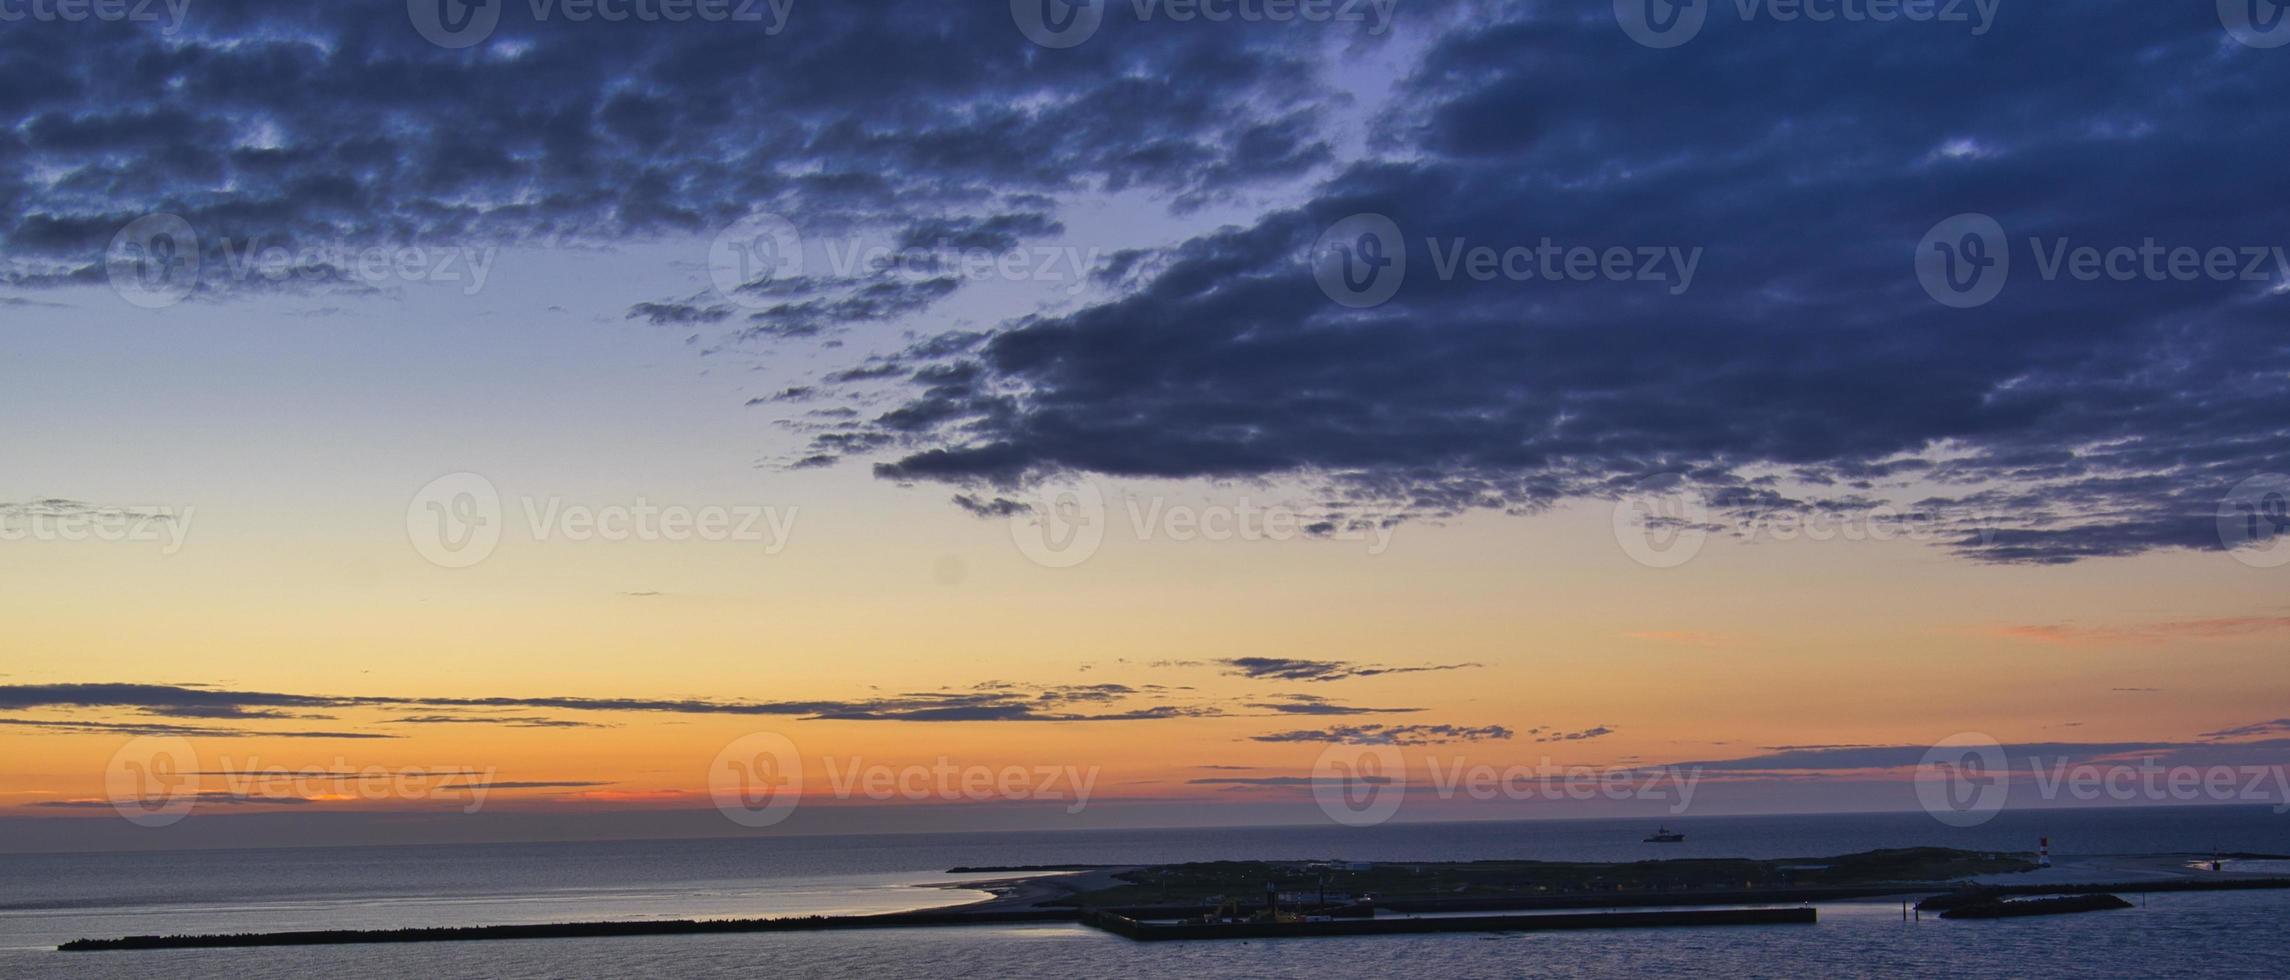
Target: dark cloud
{"type": "Point", "coordinates": [2277, 726]}
{"type": "Point", "coordinates": [154, 697]}
{"type": "Point", "coordinates": [1804, 370]}
{"type": "Point", "coordinates": [339, 125]}
{"type": "Point", "coordinates": [996, 507]}
{"type": "Point", "coordinates": [74, 727]}
{"type": "Point", "coordinates": [229, 711]}
{"type": "Point", "coordinates": [875, 297]}
{"type": "Point", "coordinates": [989, 702]}
{"type": "Point", "coordinates": [679, 314]}
{"type": "Point", "coordinates": [995, 234]}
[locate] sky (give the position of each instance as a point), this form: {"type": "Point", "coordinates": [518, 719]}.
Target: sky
{"type": "Point", "coordinates": [488, 421]}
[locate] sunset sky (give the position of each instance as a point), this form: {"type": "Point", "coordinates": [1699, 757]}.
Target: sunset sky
{"type": "Point", "coordinates": [226, 496]}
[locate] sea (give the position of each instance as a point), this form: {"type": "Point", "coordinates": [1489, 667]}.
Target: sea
{"type": "Point", "coordinates": [47, 899]}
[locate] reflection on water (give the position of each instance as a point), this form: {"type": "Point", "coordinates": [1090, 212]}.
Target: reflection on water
{"type": "Point", "coordinates": [48, 899]}
{"type": "Point", "coordinates": [2212, 935]}
{"type": "Point", "coordinates": [821, 895]}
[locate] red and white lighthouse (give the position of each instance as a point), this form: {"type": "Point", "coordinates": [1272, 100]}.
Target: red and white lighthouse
{"type": "Point", "coordinates": [2043, 852]}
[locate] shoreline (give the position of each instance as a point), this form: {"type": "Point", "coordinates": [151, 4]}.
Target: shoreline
{"type": "Point", "coordinates": [1056, 896]}
{"type": "Point", "coordinates": [1028, 891]}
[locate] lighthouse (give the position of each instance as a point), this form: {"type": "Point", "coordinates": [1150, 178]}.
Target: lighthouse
{"type": "Point", "coordinates": [2043, 852]}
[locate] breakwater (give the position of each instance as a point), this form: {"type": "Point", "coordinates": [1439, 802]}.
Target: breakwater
{"type": "Point", "coordinates": [577, 930]}
{"type": "Point", "coordinates": [972, 915]}
{"type": "Point", "coordinates": [1114, 922]}
{"type": "Point", "coordinates": [1539, 922]}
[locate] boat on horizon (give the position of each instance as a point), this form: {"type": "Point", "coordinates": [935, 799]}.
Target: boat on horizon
{"type": "Point", "coordinates": [1666, 836]}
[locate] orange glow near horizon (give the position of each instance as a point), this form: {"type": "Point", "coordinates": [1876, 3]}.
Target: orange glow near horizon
{"type": "Point", "coordinates": [1749, 647]}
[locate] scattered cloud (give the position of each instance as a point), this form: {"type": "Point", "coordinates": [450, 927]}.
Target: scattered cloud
{"type": "Point", "coordinates": [72, 727]}
{"type": "Point", "coordinates": [59, 508]}
{"type": "Point", "coordinates": [1282, 781]}
{"type": "Point", "coordinates": [1586, 734]}
{"type": "Point", "coordinates": [201, 798]}
{"type": "Point", "coordinates": [2160, 632]}
{"type": "Point", "coordinates": [1855, 761]}
{"type": "Point", "coordinates": [1390, 735]}
{"type": "Point", "coordinates": [504, 721]}
{"type": "Point", "coordinates": [986, 702]}
{"type": "Point", "coordinates": [1293, 669]}
{"type": "Point", "coordinates": [1307, 704]}
{"type": "Point", "coordinates": [2277, 726]}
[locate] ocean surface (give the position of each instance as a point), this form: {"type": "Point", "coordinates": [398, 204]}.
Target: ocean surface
{"type": "Point", "coordinates": [47, 899]}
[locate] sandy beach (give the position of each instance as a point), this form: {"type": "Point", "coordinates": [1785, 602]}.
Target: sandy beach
{"type": "Point", "coordinates": [1028, 890]}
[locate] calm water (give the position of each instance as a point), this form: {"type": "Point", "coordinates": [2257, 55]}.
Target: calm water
{"type": "Point", "coordinates": [50, 898]}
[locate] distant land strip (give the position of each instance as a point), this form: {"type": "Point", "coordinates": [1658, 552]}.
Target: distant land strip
{"type": "Point", "coordinates": [1110, 912]}
{"type": "Point", "coordinates": [1117, 924]}
{"type": "Point", "coordinates": [961, 917]}
{"type": "Point", "coordinates": [578, 930]}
